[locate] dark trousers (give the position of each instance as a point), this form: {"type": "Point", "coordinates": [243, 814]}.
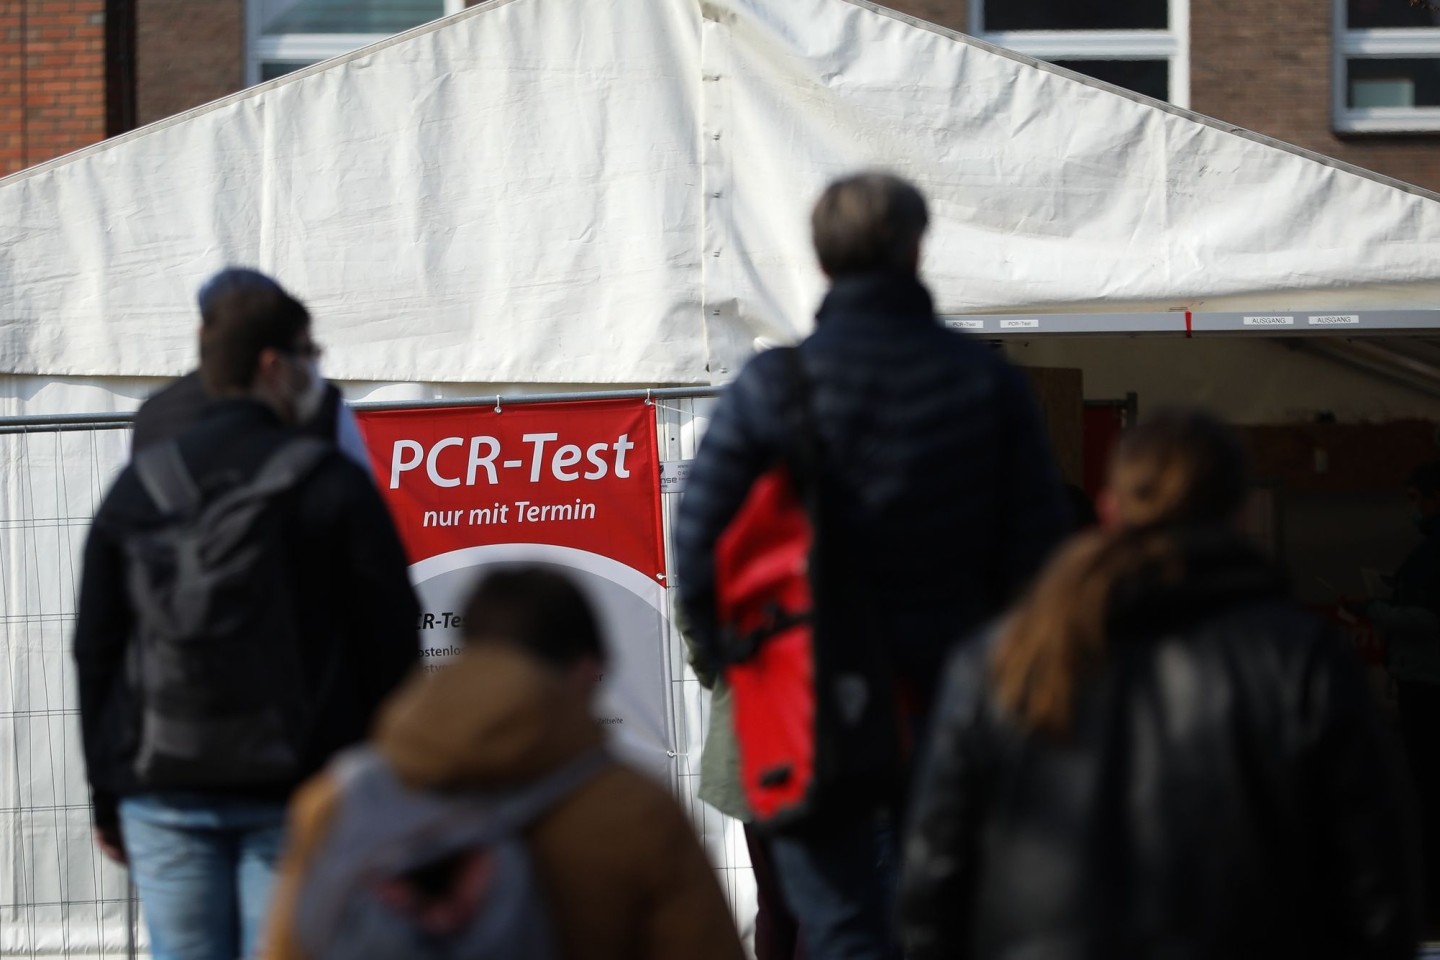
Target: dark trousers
{"type": "Point", "coordinates": [777, 935]}
{"type": "Point", "coordinates": [1419, 709]}
{"type": "Point", "coordinates": [839, 877]}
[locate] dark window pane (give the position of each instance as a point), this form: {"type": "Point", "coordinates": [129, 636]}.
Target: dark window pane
{"type": "Point", "coordinates": [1394, 83]}
{"type": "Point", "coordinates": [271, 69]}
{"type": "Point", "coordinates": [348, 16]}
{"type": "Point", "coordinates": [1368, 14]}
{"type": "Point", "coordinates": [1076, 14]}
{"type": "Point", "coordinates": [1150, 77]}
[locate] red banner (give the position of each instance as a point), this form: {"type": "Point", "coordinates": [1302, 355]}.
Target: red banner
{"type": "Point", "coordinates": [574, 486]}
{"type": "Point", "coordinates": [582, 475]}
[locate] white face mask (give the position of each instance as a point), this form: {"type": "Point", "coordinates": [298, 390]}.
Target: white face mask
{"type": "Point", "coordinates": [307, 404]}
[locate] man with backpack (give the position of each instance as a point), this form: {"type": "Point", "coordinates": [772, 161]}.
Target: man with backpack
{"type": "Point", "coordinates": [244, 609]}
{"type": "Point", "coordinates": [486, 819]}
{"type": "Point", "coordinates": [933, 498]}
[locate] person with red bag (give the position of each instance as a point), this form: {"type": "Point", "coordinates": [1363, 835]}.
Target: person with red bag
{"type": "Point", "coordinates": [858, 503]}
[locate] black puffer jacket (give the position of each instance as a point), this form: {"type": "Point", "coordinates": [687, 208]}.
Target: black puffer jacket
{"type": "Point", "coordinates": [1227, 791]}
{"type": "Point", "coordinates": [935, 458]}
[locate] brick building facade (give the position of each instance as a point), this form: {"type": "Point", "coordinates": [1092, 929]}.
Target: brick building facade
{"type": "Point", "coordinates": [186, 53]}
{"type": "Point", "coordinates": [1265, 66]}
{"type": "Point", "coordinates": [52, 79]}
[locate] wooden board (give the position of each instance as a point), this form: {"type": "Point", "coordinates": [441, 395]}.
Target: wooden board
{"type": "Point", "coordinates": [1061, 392]}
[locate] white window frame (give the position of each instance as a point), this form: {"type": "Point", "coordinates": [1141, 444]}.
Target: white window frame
{"type": "Point", "coordinates": [1382, 44]}
{"type": "Point", "coordinates": [304, 47]}
{"type": "Point", "coordinates": [1172, 45]}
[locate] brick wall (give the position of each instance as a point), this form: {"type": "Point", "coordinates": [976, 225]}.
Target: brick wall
{"type": "Point", "coordinates": [52, 79]}
{"type": "Point", "coordinates": [947, 13]}
{"type": "Point", "coordinates": [1267, 67]}
{"type": "Point", "coordinates": [187, 52]}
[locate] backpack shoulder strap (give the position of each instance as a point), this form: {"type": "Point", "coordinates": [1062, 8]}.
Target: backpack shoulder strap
{"type": "Point", "coordinates": [166, 479]}
{"type": "Point", "coordinates": [286, 466]}
{"type": "Point", "coordinates": [533, 801]}
{"type": "Point", "coordinates": [290, 462]}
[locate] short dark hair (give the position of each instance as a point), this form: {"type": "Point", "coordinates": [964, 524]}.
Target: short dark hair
{"type": "Point", "coordinates": [242, 313]}
{"type": "Point", "coordinates": [868, 222]}
{"type": "Point", "coordinates": [538, 610]}
{"type": "Point", "coordinates": [1426, 478]}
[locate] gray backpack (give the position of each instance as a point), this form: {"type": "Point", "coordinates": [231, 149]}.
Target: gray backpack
{"type": "Point", "coordinates": [216, 657]}
{"type": "Point", "coordinates": [404, 873]}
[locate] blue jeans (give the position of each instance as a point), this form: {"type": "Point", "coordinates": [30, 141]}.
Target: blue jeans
{"type": "Point", "coordinates": [839, 878]}
{"type": "Point", "coordinates": [203, 866]}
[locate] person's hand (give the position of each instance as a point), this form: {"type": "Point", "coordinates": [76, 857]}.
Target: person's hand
{"type": "Point", "coordinates": [110, 843]}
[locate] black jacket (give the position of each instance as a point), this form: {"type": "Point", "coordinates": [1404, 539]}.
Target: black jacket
{"type": "Point", "coordinates": [938, 466]}
{"type": "Point", "coordinates": [1227, 791]}
{"type": "Point", "coordinates": [1409, 622]}
{"type": "Point", "coordinates": [358, 621]}
{"type": "Point", "coordinates": [178, 406]}
{"type": "Point", "coordinates": [1417, 582]}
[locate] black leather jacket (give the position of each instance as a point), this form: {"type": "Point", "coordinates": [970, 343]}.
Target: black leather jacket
{"type": "Point", "coordinates": [1227, 791]}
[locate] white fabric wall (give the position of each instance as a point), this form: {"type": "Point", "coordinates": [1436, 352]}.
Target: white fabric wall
{"type": "Point", "coordinates": [499, 199]}
{"type": "Point", "coordinates": [617, 192]}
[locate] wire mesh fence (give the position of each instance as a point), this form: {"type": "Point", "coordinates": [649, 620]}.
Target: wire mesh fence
{"type": "Point", "coordinates": [680, 424]}
{"type": "Point", "coordinates": [59, 898]}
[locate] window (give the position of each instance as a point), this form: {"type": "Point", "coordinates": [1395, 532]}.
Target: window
{"type": "Point", "coordinates": [285, 35]}
{"type": "Point", "coordinates": [1387, 66]}
{"type": "Point", "coordinates": [1142, 45]}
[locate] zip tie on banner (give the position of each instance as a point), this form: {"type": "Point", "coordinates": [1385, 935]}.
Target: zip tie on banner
{"type": "Point", "coordinates": [497, 403]}
{"type": "Point", "coordinates": [648, 401]}
{"type": "Point", "coordinates": [672, 754]}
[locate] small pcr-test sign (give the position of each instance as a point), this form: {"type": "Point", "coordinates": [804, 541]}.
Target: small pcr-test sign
{"type": "Point", "coordinates": [1029, 324]}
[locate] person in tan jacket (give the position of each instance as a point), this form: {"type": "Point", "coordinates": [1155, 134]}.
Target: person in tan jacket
{"type": "Point", "coordinates": [623, 874]}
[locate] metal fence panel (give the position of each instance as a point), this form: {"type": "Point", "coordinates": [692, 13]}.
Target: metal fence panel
{"type": "Point", "coordinates": [681, 423]}
{"type": "Point", "coordinates": [58, 896]}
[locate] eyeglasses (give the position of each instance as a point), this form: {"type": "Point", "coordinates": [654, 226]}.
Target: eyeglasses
{"type": "Point", "coordinates": [309, 350]}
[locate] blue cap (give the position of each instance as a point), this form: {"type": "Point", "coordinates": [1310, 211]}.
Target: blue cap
{"type": "Point", "coordinates": [235, 280]}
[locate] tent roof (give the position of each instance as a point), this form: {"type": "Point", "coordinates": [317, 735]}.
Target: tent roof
{"type": "Point", "coordinates": [618, 192]}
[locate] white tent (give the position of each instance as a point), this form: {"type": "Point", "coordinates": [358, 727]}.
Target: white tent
{"type": "Point", "coordinates": [542, 193]}
{"type": "Point", "coordinates": [616, 192]}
